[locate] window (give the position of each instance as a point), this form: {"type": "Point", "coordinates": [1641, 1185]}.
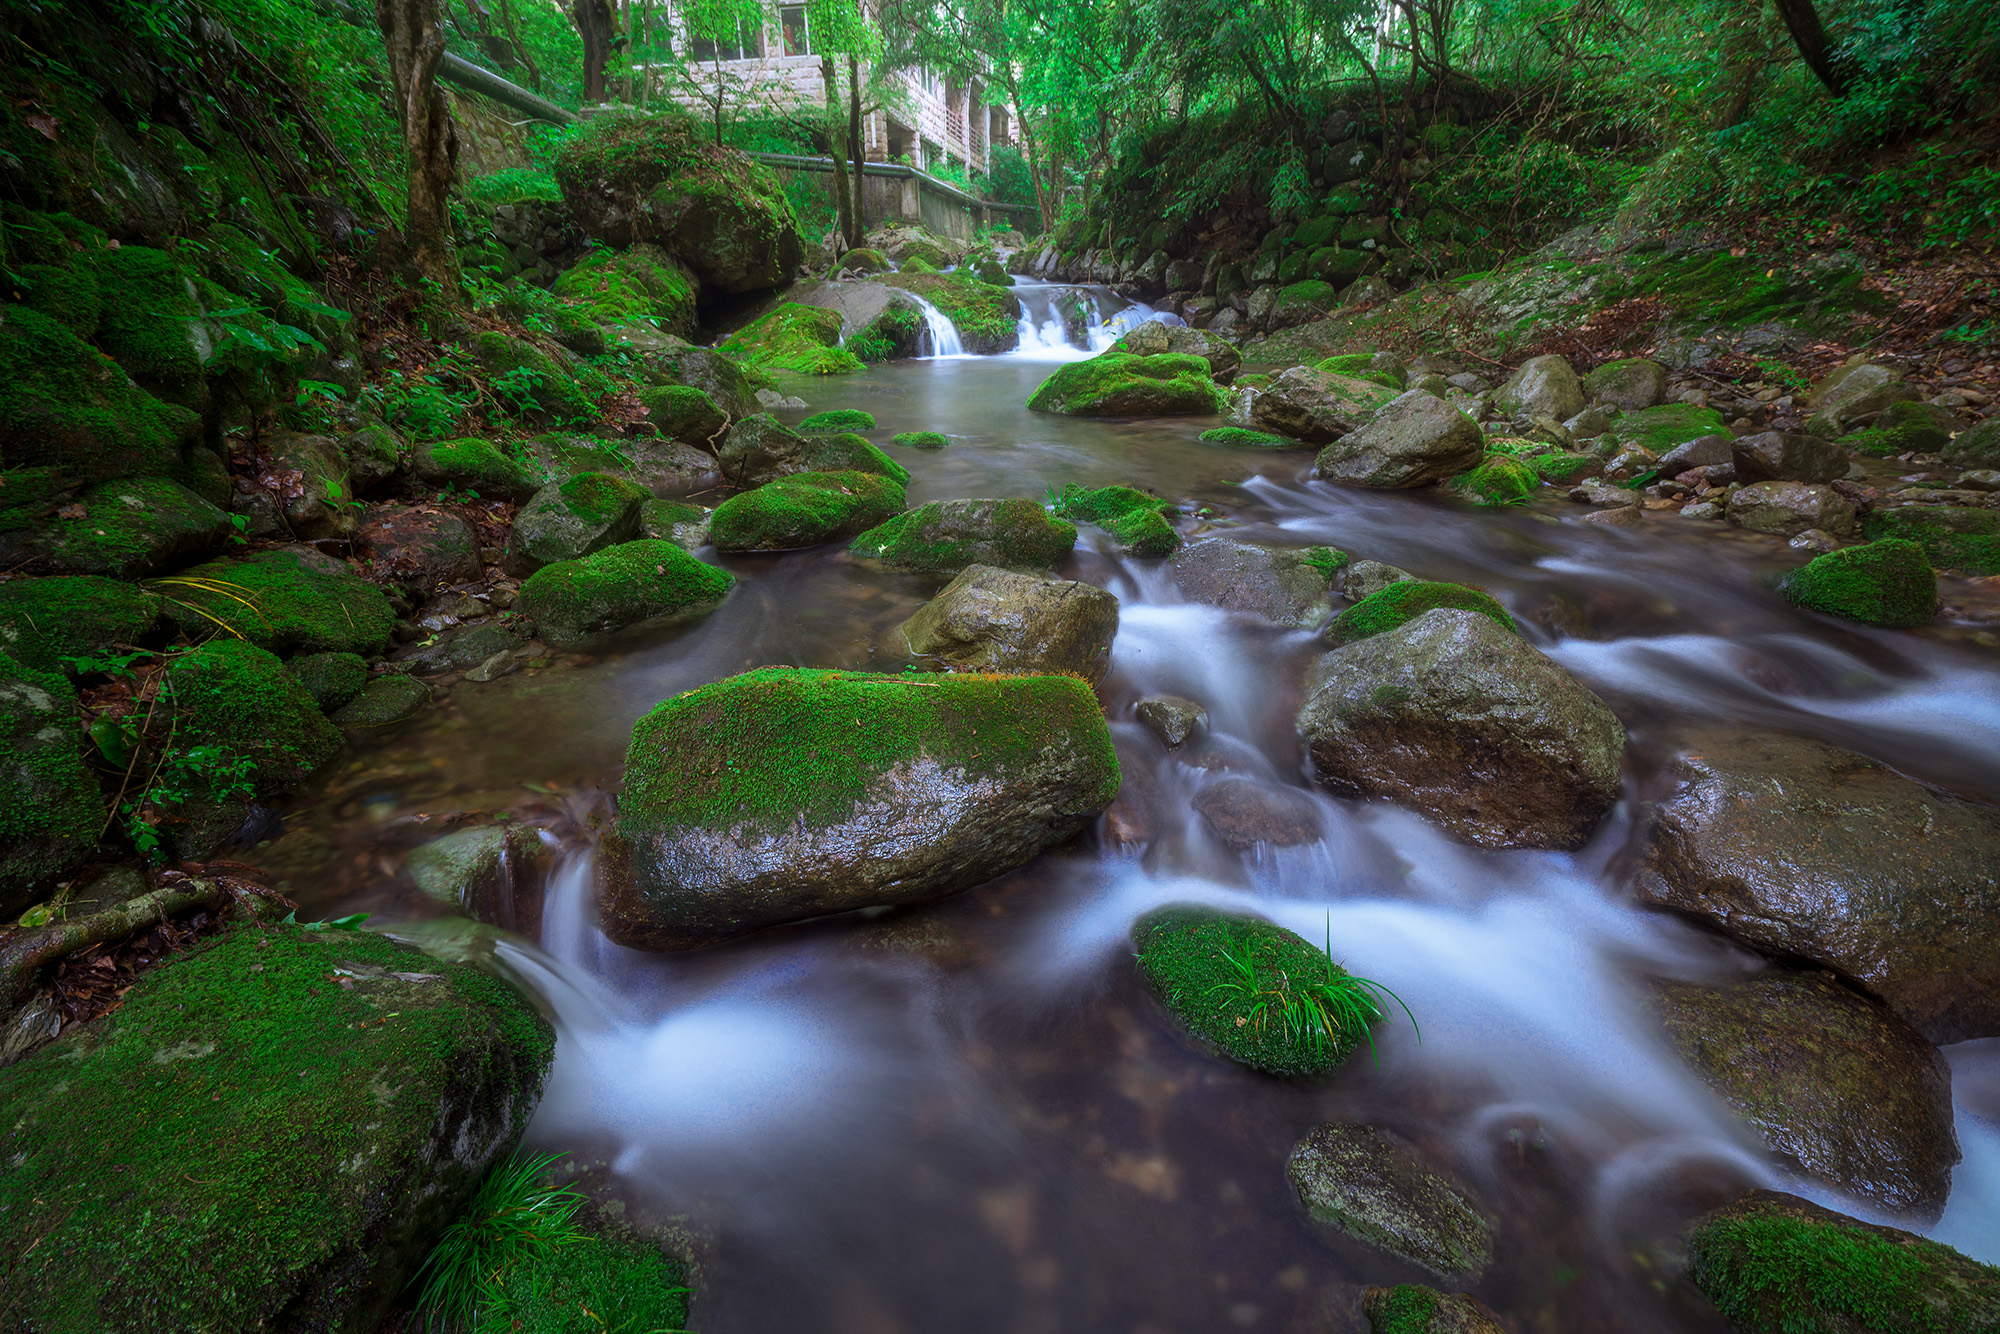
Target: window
{"type": "Point", "coordinates": [792, 18]}
{"type": "Point", "coordinates": [748, 45]}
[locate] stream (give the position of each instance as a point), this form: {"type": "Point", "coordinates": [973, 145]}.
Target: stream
{"type": "Point", "coordinates": [970, 1117]}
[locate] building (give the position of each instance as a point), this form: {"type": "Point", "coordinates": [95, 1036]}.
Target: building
{"type": "Point", "coordinates": [774, 67]}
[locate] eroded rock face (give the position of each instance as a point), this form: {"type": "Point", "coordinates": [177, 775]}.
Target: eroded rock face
{"type": "Point", "coordinates": [784, 794]}
{"type": "Point", "coordinates": [1787, 456]}
{"type": "Point", "coordinates": [1455, 717]}
{"type": "Point", "coordinates": [1415, 440]}
{"type": "Point", "coordinates": [994, 620]}
{"type": "Point", "coordinates": [1805, 851]}
{"type": "Point", "coordinates": [1372, 1186]}
{"type": "Point", "coordinates": [1836, 1084]}
{"type": "Point", "coordinates": [1286, 586]}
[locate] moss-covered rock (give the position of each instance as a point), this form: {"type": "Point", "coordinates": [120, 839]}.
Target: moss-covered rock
{"type": "Point", "coordinates": [644, 283]}
{"type": "Point", "coordinates": [530, 382]}
{"type": "Point", "coordinates": [383, 702]}
{"type": "Point", "coordinates": [676, 521]}
{"type": "Point", "coordinates": [660, 178]}
{"type": "Point", "coordinates": [839, 420]}
{"type": "Point", "coordinates": [803, 510]}
{"type": "Point", "coordinates": [375, 456]}
{"type": "Point", "coordinates": [1563, 469]}
{"type": "Point", "coordinates": [66, 293]}
{"type": "Point", "coordinates": [290, 600]}
{"type": "Point", "coordinates": [1499, 480]}
{"type": "Point", "coordinates": [1954, 537]}
{"type": "Point", "coordinates": [44, 621]}
{"type": "Point", "coordinates": [1194, 959]}
{"type": "Point", "coordinates": [772, 795]}
{"type": "Point", "coordinates": [50, 809]}
{"type": "Point", "coordinates": [1406, 600]}
{"type": "Point", "coordinates": [758, 450]}
{"type": "Point", "coordinates": [151, 322]}
{"type": "Point", "coordinates": [1777, 1264]}
{"type": "Point", "coordinates": [1298, 302]}
{"type": "Point", "coordinates": [1136, 519]}
{"type": "Point", "coordinates": [336, 1129]}
{"type": "Point", "coordinates": [1903, 428]}
{"type": "Point", "coordinates": [1116, 384]}
{"type": "Point", "coordinates": [1887, 582]}
{"type": "Point", "coordinates": [1376, 1188]}
{"type": "Point", "coordinates": [661, 465]}
{"type": "Point", "coordinates": [685, 414]}
{"type": "Point", "coordinates": [576, 603]}
{"type": "Point", "coordinates": [1661, 428]}
{"type": "Point", "coordinates": [864, 259]}
{"type": "Point", "coordinates": [125, 530]}
{"type": "Point", "coordinates": [802, 339]}
{"type": "Point", "coordinates": [921, 440]}
{"type": "Point", "coordinates": [310, 473]}
{"type": "Point", "coordinates": [988, 318]}
{"type": "Point", "coordinates": [707, 370]}
{"type": "Point", "coordinates": [1978, 447]}
{"type": "Point", "coordinates": [1632, 384]}
{"type": "Point", "coordinates": [474, 466]}
{"type": "Point", "coordinates": [1312, 405]}
{"type": "Point", "coordinates": [1239, 438]}
{"type": "Point", "coordinates": [235, 696]}
{"type": "Point", "coordinates": [945, 536]}
{"type": "Point", "coordinates": [572, 519]}
{"type": "Point", "coordinates": [332, 679]}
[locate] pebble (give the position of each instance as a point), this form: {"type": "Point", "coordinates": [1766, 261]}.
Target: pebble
{"type": "Point", "coordinates": [1815, 540]}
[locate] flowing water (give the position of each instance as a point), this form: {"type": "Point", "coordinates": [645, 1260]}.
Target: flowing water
{"type": "Point", "coordinates": [969, 1117]}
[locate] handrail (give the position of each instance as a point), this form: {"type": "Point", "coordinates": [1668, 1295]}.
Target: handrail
{"type": "Point", "coordinates": [896, 169]}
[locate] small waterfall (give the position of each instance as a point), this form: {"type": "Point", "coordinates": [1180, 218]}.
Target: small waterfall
{"type": "Point", "coordinates": [940, 333]}
{"type": "Point", "coordinates": [1096, 320]}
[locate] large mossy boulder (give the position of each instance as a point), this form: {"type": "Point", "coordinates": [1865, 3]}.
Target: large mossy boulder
{"type": "Point", "coordinates": [1835, 1084]}
{"type": "Point", "coordinates": [804, 340]}
{"type": "Point", "coordinates": [574, 519]}
{"type": "Point", "coordinates": [576, 603]}
{"type": "Point", "coordinates": [988, 318]}
{"type": "Point", "coordinates": [1978, 447]}
{"type": "Point", "coordinates": [1315, 406]}
{"type": "Point", "coordinates": [472, 465]}
{"type": "Point", "coordinates": [129, 529]}
{"type": "Point", "coordinates": [1135, 519]}
{"type": "Point", "coordinates": [1117, 384]}
{"type": "Point", "coordinates": [1853, 391]}
{"type": "Point", "coordinates": [1887, 583]}
{"type": "Point", "coordinates": [1541, 387]}
{"type": "Point", "coordinates": [1776, 1264]}
{"type": "Point", "coordinates": [45, 621]}
{"type": "Point", "coordinates": [783, 794]}
{"type": "Point", "coordinates": [665, 467]}
{"type": "Point", "coordinates": [993, 620]}
{"type": "Point", "coordinates": [707, 370]}
{"type": "Point", "coordinates": [1663, 428]}
{"type": "Point", "coordinates": [804, 510]}
{"type": "Point", "coordinates": [1630, 385]}
{"type": "Point", "coordinates": [946, 536]}
{"type": "Point", "coordinates": [268, 1133]}
{"type": "Point", "coordinates": [644, 283]}
{"type": "Point", "coordinates": [1414, 440]}
{"type": "Point", "coordinates": [1954, 537]}
{"type": "Point", "coordinates": [50, 809]}
{"type": "Point", "coordinates": [1288, 586]}
{"type": "Point", "coordinates": [1465, 722]}
{"type": "Point", "coordinates": [759, 450]}
{"type": "Point", "coordinates": [289, 600]}
{"type": "Point", "coordinates": [1372, 1186]}
{"type": "Point", "coordinates": [151, 324]}
{"type": "Point", "coordinates": [232, 695]}
{"type": "Point", "coordinates": [1403, 600]}
{"type": "Point", "coordinates": [1803, 851]}
{"type": "Point", "coordinates": [686, 414]}
{"type": "Point", "coordinates": [658, 178]}
{"type": "Point", "coordinates": [1194, 959]}
{"type": "Point", "coordinates": [529, 381]}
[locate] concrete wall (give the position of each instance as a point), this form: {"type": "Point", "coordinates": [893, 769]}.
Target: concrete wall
{"type": "Point", "coordinates": [889, 190]}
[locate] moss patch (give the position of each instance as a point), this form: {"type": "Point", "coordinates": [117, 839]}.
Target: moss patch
{"type": "Point", "coordinates": [988, 318]}
{"type": "Point", "coordinates": [50, 809]}
{"type": "Point", "coordinates": [801, 339]}
{"type": "Point", "coordinates": [848, 452]}
{"type": "Point", "coordinates": [43, 621]}
{"type": "Point", "coordinates": [685, 414]}
{"type": "Point", "coordinates": [1661, 428]}
{"type": "Point", "coordinates": [383, 702]}
{"type": "Point", "coordinates": [150, 322]}
{"type": "Point", "coordinates": [66, 293]}
{"type": "Point", "coordinates": [643, 283]}
{"type": "Point", "coordinates": [299, 602]}
{"type": "Point", "coordinates": [1888, 582]}
{"type": "Point", "coordinates": [804, 510]}
{"type": "Point", "coordinates": [573, 602]}
{"type": "Point", "coordinates": [1137, 519]}
{"type": "Point", "coordinates": [130, 529]}
{"type": "Point", "coordinates": [1406, 600]}
{"type": "Point", "coordinates": [1499, 480]}
{"type": "Point", "coordinates": [1406, 1308]}
{"type": "Point", "coordinates": [944, 537]}
{"type": "Point", "coordinates": [809, 746]}
{"type": "Point", "coordinates": [332, 679]}
{"type": "Point", "coordinates": [530, 382]}
{"type": "Point", "coordinates": [1953, 537]}
{"type": "Point", "coordinates": [1114, 384]}
{"type": "Point", "coordinates": [473, 465]}
{"type": "Point", "coordinates": [1563, 469]}
{"type": "Point", "coordinates": [841, 419]}
{"type": "Point", "coordinates": [236, 696]}
{"type": "Point", "coordinates": [1185, 954]}
{"type": "Point", "coordinates": [921, 440]}
{"type": "Point", "coordinates": [251, 1134]}
{"type": "Point", "coordinates": [1239, 438]}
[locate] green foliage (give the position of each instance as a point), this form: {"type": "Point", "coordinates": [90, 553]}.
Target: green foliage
{"type": "Point", "coordinates": [1406, 1308]}
{"type": "Point", "coordinates": [921, 440]}
{"type": "Point", "coordinates": [596, 1285]}
{"type": "Point", "coordinates": [513, 185]}
{"type": "Point", "coordinates": [513, 1220]}
{"type": "Point", "coordinates": [841, 419]}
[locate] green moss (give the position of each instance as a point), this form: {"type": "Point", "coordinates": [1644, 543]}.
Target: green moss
{"type": "Point", "coordinates": [1660, 428]}
{"type": "Point", "coordinates": [1563, 469]}
{"type": "Point", "coordinates": [1329, 561]}
{"type": "Point", "coordinates": [235, 695]}
{"type": "Point", "coordinates": [1953, 537]}
{"type": "Point", "coordinates": [593, 1285]}
{"type": "Point", "coordinates": [66, 406]}
{"type": "Point", "coordinates": [1499, 480]}
{"type": "Point", "coordinates": [1144, 533]}
{"type": "Point", "coordinates": [944, 537]}
{"type": "Point", "coordinates": [988, 318]}
{"type": "Point", "coordinates": [384, 701]}
{"type": "Point", "coordinates": [332, 679]}
{"type": "Point", "coordinates": [1888, 582]}
{"type": "Point", "coordinates": [1107, 503]}
{"type": "Point", "coordinates": [472, 464]}
{"type": "Point", "coordinates": [43, 621]}
{"type": "Point", "coordinates": [916, 265]}
{"type": "Point", "coordinates": [65, 293]}
{"type": "Point", "coordinates": [1185, 954]}
{"type": "Point", "coordinates": [806, 747]}
{"type": "Point", "coordinates": [298, 602]}
{"type": "Point", "coordinates": [204, 1155]}
{"type": "Point", "coordinates": [573, 601]}
{"type": "Point", "coordinates": [685, 414]}
{"type": "Point", "coordinates": [1773, 1267]}
{"type": "Point", "coordinates": [1406, 1308]}
{"type": "Point", "coordinates": [528, 380]}
{"type": "Point", "coordinates": [848, 452]}
{"type": "Point", "coordinates": [643, 283]}
{"type": "Point", "coordinates": [1238, 437]}
{"type": "Point", "coordinates": [1310, 296]}
{"type": "Point", "coordinates": [675, 521]}
{"type": "Point", "coordinates": [804, 510]}
{"type": "Point", "coordinates": [130, 529]}
{"type": "Point", "coordinates": [1978, 447]}
{"type": "Point", "coordinates": [1114, 384]}
{"type": "Point", "coordinates": [1968, 555]}
{"type": "Point", "coordinates": [864, 260]}
{"type": "Point", "coordinates": [802, 339]}
{"type": "Point", "coordinates": [1886, 442]}
{"type": "Point", "coordinates": [1404, 601]}
{"type": "Point", "coordinates": [599, 499]}
{"type": "Point", "coordinates": [921, 440]}
{"type": "Point", "coordinates": [841, 419]}
{"type": "Point", "coordinates": [50, 810]}
{"type": "Point", "coordinates": [148, 324]}
{"type": "Point", "coordinates": [1728, 289]}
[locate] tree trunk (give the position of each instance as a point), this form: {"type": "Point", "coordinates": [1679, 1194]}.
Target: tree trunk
{"type": "Point", "coordinates": [856, 146]}
{"type": "Point", "coordinates": [1803, 20]}
{"type": "Point", "coordinates": [593, 25]}
{"type": "Point", "coordinates": [415, 44]}
{"type": "Point", "coordinates": [837, 151]}
{"type": "Point", "coordinates": [520, 47]}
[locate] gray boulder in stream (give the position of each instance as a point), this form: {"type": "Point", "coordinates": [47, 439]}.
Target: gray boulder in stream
{"type": "Point", "coordinates": [1836, 1084]}
{"type": "Point", "coordinates": [990, 620]}
{"type": "Point", "coordinates": [1316, 406]}
{"type": "Point", "coordinates": [1804, 851]}
{"type": "Point", "coordinates": [1542, 387]}
{"type": "Point", "coordinates": [1415, 440]}
{"type": "Point", "coordinates": [1455, 717]}
{"type": "Point", "coordinates": [782, 794]}
{"type": "Point", "coordinates": [574, 519]}
{"type": "Point", "coordinates": [1373, 1187]}
{"type": "Point", "coordinates": [1286, 586]}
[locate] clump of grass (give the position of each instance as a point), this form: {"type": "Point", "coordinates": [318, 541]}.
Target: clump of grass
{"type": "Point", "coordinates": [512, 1221]}
{"type": "Point", "coordinates": [1320, 1010]}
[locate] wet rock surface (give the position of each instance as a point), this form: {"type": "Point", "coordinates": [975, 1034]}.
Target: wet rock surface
{"type": "Point", "coordinates": [1170, 718]}
{"type": "Point", "coordinates": [1245, 812]}
{"type": "Point", "coordinates": [418, 548]}
{"type": "Point", "coordinates": [994, 620]}
{"type": "Point", "coordinates": [1317, 406]}
{"type": "Point", "coordinates": [1804, 851]}
{"type": "Point", "coordinates": [1286, 586]}
{"type": "Point", "coordinates": [1414, 440]}
{"type": "Point", "coordinates": [1372, 1186]}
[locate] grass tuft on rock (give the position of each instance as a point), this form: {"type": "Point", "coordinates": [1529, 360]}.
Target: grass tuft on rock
{"type": "Point", "coordinates": [1406, 600]}
{"type": "Point", "coordinates": [840, 419]}
{"type": "Point", "coordinates": [1887, 582]}
{"type": "Point", "coordinates": [921, 440]}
